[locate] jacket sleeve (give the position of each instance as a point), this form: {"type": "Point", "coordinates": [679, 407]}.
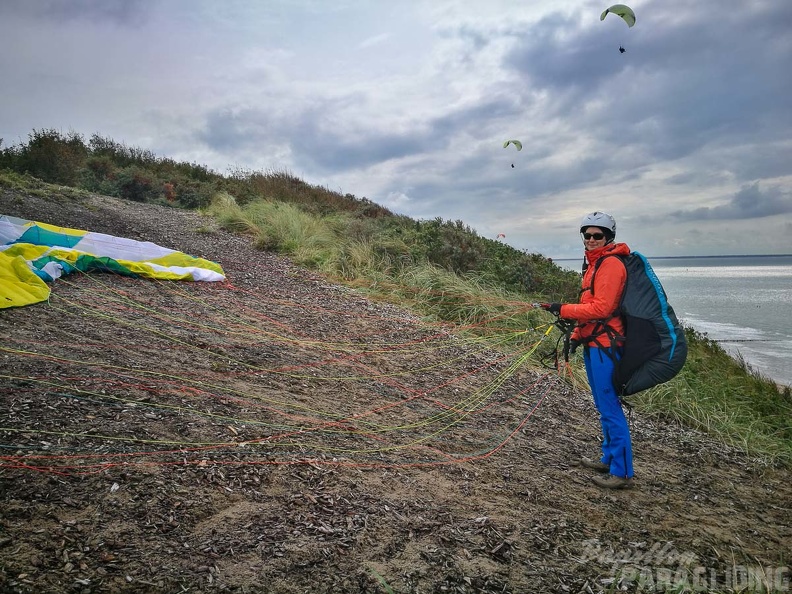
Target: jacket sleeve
{"type": "Point", "coordinates": [609, 283]}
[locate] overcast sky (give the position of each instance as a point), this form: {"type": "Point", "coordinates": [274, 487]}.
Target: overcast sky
{"type": "Point", "coordinates": [686, 138]}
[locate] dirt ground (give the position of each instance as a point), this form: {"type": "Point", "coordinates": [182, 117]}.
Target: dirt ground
{"type": "Point", "coordinates": [279, 433]}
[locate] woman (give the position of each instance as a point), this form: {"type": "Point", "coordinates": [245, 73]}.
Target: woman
{"type": "Point", "coordinates": [599, 330]}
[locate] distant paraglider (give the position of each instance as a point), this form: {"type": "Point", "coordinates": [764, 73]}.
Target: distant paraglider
{"type": "Point", "coordinates": [623, 11]}
{"type": "Point", "coordinates": [501, 235]}
{"type": "Point", "coordinates": [516, 143]}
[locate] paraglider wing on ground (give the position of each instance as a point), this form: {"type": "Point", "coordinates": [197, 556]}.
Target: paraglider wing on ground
{"type": "Point", "coordinates": [33, 254]}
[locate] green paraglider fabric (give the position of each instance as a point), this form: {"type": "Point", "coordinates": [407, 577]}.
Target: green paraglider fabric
{"type": "Point", "coordinates": [625, 12]}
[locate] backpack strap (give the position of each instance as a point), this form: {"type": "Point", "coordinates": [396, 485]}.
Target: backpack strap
{"type": "Point", "coordinates": [601, 326]}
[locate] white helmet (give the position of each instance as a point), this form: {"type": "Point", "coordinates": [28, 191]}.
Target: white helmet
{"type": "Point", "coordinates": [602, 220]}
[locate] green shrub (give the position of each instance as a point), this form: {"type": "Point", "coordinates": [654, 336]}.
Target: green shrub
{"type": "Point", "coordinates": [98, 175]}
{"type": "Point", "coordinates": [50, 156]}
{"type": "Point", "coordinates": [134, 183]}
{"type": "Point", "coordinates": [120, 154]}
{"type": "Point", "coordinates": [191, 194]}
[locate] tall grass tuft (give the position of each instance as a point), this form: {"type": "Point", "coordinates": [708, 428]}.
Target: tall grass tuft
{"type": "Point", "coordinates": [231, 216]}
{"type": "Point", "coordinates": [310, 240]}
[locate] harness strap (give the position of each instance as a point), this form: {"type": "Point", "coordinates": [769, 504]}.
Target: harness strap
{"type": "Point", "coordinates": [601, 326]}
{"type": "Point", "coordinates": [566, 327]}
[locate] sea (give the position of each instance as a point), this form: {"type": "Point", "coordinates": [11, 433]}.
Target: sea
{"type": "Point", "coordinates": [742, 302]}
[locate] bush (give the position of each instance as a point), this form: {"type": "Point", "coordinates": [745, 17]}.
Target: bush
{"type": "Point", "coordinates": [98, 175]}
{"type": "Point", "coordinates": [50, 156]}
{"type": "Point", "coordinates": [120, 154]}
{"type": "Point", "coordinates": [450, 245]}
{"type": "Point", "coordinates": [136, 184]}
{"type": "Point", "coordinates": [192, 194]}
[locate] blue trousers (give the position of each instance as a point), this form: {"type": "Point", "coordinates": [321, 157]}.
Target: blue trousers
{"type": "Point", "coordinates": [616, 444]}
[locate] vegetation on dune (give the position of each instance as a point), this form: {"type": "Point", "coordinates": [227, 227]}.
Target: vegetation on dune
{"type": "Point", "coordinates": [440, 268]}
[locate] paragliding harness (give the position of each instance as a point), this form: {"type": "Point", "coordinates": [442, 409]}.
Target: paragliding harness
{"type": "Point", "coordinates": [551, 359]}
{"type": "Point", "coordinates": [653, 347]}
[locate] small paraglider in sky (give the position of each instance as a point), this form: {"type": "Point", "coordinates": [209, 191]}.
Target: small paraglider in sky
{"type": "Point", "coordinates": [623, 11]}
{"type": "Point", "coordinates": [501, 235]}
{"type": "Point", "coordinates": [516, 143]}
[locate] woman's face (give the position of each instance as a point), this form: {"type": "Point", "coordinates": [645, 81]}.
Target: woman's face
{"type": "Point", "coordinates": [590, 238]}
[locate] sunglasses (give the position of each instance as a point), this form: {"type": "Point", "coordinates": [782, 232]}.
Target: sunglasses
{"type": "Point", "coordinates": [596, 236]}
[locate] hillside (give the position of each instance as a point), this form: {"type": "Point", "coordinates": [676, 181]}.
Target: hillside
{"type": "Point", "coordinates": [279, 433]}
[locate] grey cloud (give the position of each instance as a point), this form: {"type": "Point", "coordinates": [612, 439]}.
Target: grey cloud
{"type": "Point", "coordinates": [558, 54]}
{"type": "Point", "coordinates": [638, 109]}
{"type": "Point", "coordinates": [740, 59]}
{"type": "Point", "coordinates": [471, 190]}
{"type": "Point", "coordinates": [319, 137]}
{"type": "Point", "coordinates": [682, 179]}
{"type": "Point", "coordinates": [340, 154]}
{"type": "Point", "coordinates": [333, 150]}
{"type": "Point", "coordinates": [750, 202]}
{"type": "Point", "coordinates": [120, 12]}
{"type": "Point", "coordinates": [227, 130]}
{"type": "Point", "coordinates": [478, 39]}
{"type": "Point", "coordinates": [648, 97]}
{"type": "Point", "coordinates": [475, 117]}
{"type": "Point", "coordinates": [762, 160]}
{"type": "Point", "coordinates": [312, 137]}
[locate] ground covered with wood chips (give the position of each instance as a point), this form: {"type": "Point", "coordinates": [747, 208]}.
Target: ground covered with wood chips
{"type": "Point", "coordinates": [280, 433]}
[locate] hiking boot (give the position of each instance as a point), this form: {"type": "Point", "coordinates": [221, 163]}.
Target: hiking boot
{"type": "Point", "coordinates": [594, 465]}
{"type": "Point", "coordinates": [612, 482]}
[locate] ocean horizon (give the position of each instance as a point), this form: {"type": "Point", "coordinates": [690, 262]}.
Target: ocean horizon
{"type": "Point", "coordinates": [580, 258]}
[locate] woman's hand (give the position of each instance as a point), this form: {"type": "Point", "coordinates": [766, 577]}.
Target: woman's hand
{"type": "Point", "coordinates": [553, 308]}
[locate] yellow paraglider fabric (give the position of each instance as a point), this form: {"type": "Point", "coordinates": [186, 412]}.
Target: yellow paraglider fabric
{"type": "Point", "coordinates": [19, 285]}
{"type": "Point", "coordinates": [35, 253]}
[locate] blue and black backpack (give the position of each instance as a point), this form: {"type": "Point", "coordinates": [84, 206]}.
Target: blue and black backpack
{"type": "Point", "coordinates": [655, 348]}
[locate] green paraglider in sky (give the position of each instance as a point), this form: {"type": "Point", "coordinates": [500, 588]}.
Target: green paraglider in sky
{"type": "Point", "coordinates": [516, 143]}
{"type": "Point", "coordinates": [625, 12]}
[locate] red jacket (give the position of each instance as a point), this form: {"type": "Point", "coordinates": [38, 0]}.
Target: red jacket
{"type": "Point", "coordinates": [609, 284]}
